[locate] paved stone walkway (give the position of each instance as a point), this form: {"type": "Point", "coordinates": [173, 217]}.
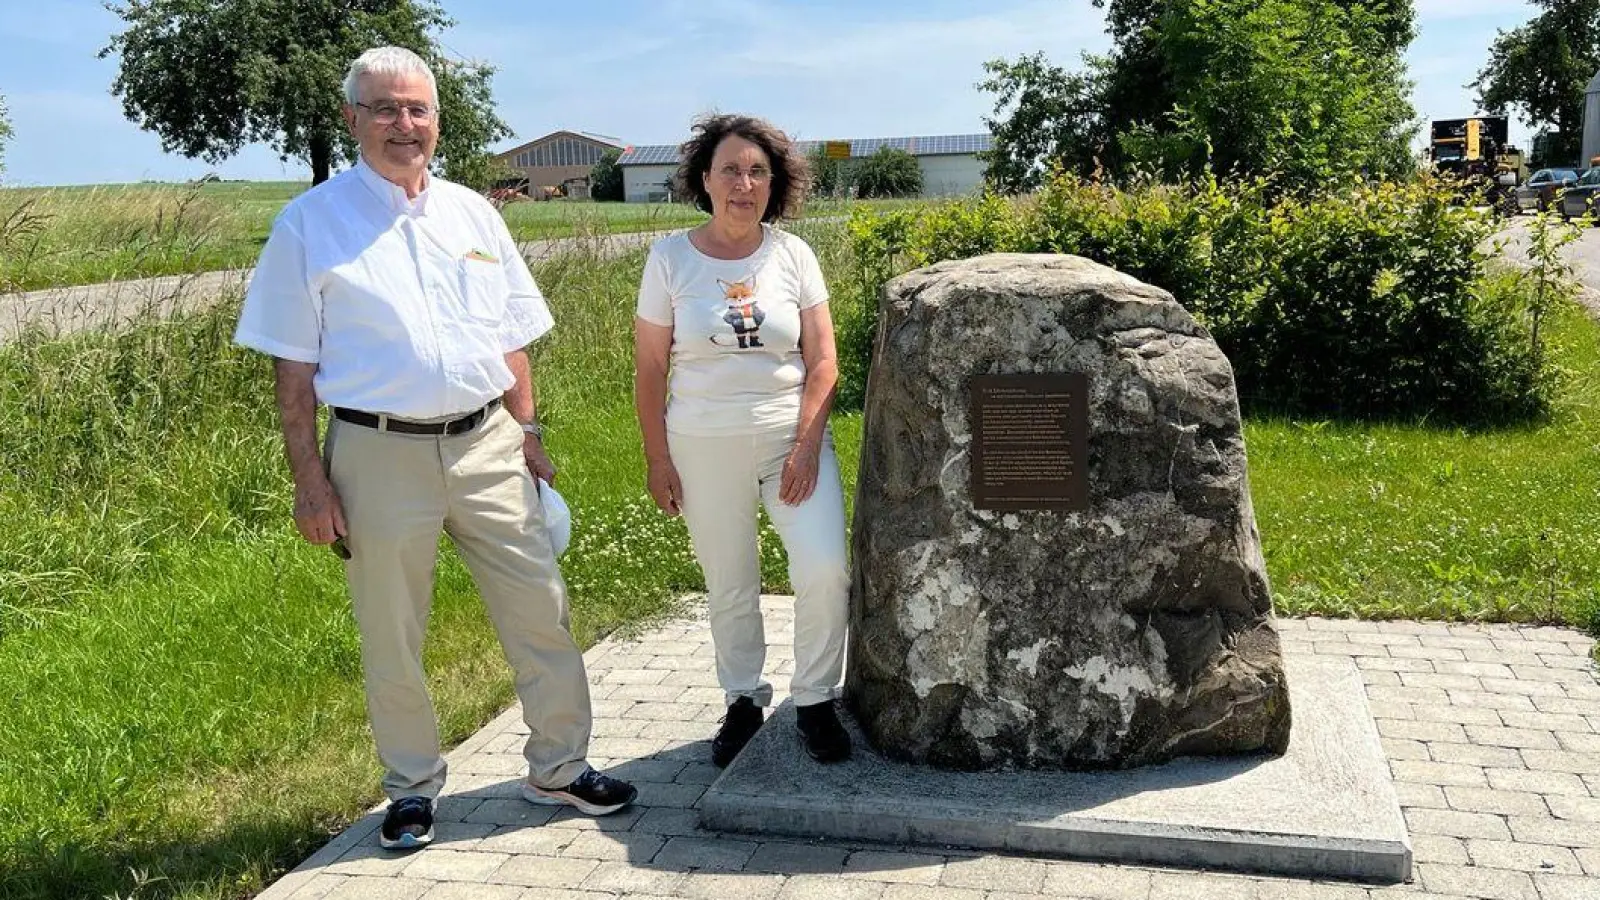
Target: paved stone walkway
{"type": "Point", "coordinates": [1493, 734]}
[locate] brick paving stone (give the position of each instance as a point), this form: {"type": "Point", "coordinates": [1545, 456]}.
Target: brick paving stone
{"type": "Point", "coordinates": [1462, 715]}
{"type": "Point", "coordinates": [704, 695]}
{"type": "Point", "coordinates": [692, 678]}
{"type": "Point", "coordinates": [663, 771]}
{"type": "Point", "coordinates": [905, 868]}
{"type": "Point", "coordinates": [618, 727]}
{"type": "Point", "coordinates": [1276, 889]}
{"type": "Point", "coordinates": [544, 871]}
{"type": "Point", "coordinates": [649, 693]}
{"type": "Point", "coordinates": [635, 848]}
{"type": "Point", "coordinates": [1015, 874]}
{"type": "Point", "coordinates": [451, 808]}
{"type": "Point", "coordinates": [1422, 731]}
{"type": "Point", "coordinates": [1193, 885]}
{"type": "Point", "coordinates": [1579, 741]}
{"type": "Point", "coordinates": [1523, 857]}
{"type": "Point", "coordinates": [1562, 761]}
{"type": "Point", "coordinates": [923, 892]}
{"type": "Point", "coordinates": [1437, 848]}
{"type": "Point", "coordinates": [1459, 642]}
{"type": "Point", "coordinates": [791, 858]}
{"type": "Point", "coordinates": [528, 841]}
{"type": "Point", "coordinates": [1491, 700]}
{"type": "Point", "coordinates": [686, 751]}
{"type": "Point", "coordinates": [438, 864]}
{"type": "Point", "coordinates": [1489, 800]}
{"type": "Point", "coordinates": [1437, 654]}
{"type": "Point", "coordinates": [1416, 695]}
{"type": "Point", "coordinates": [318, 888]}
{"type": "Point", "coordinates": [1437, 773]}
{"type": "Point", "coordinates": [1536, 782]}
{"type": "Point", "coordinates": [366, 887]}
{"type": "Point", "coordinates": [1583, 663]}
{"type": "Point", "coordinates": [1097, 882]}
{"type": "Point", "coordinates": [1387, 679]}
{"type": "Point", "coordinates": [1525, 686]}
{"type": "Point", "coordinates": [1429, 796]}
{"type": "Point", "coordinates": [1566, 887]}
{"type": "Point", "coordinates": [678, 731]}
{"type": "Point", "coordinates": [1474, 881]}
{"type": "Point", "coordinates": [730, 886]}
{"type": "Point", "coordinates": [1593, 783]}
{"type": "Point", "coordinates": [1589, 859]}
{"type": "Point", "coordinates": [823, 887]}
{"type": "Point", "coordinates": [1554, 831]}
{"type": "Point", "coordinates": [1445, 682]}
{"type": "Point", "coordinates": [1390, 710]}
{"type": "Point", "coordinates": [653, 795]}
{"type": "Point", "coordinates": [621, 820]}
{"type": "Point", "coordinates": [1457, 824]}
{"type": "Point", "coordinates": [1399, 748]}
{"type": "Point", "coordinates": [1580, 809]}
{"type": "Point", "coordinates": [1521, 738]}
{"type": "Point", "coordinates": [698, 773]}
{"type": "Point", "coordinates": [1475, 755]}
{"type": "Point", "coordinates": [1397, 664]}
{"type": "Point", "coordinates": [511, 812]}
{"type": "Point", "coordinates": [507, 764]}
{"type": "Point", "coordinates": [1504, 658]}
{"type": "Point", "coordinates": [460, 835]}
{"type": "Point", "coordinates": [665, 712]}
{"type": "Point", "coordinates": [1545, 721]}
{"type": "Point", "coordinates": [474, 892]}
{"type": "Point", "coordinates": [367, 858]}
{"type": "Point", "coordinates": [629, 880]}
{"type": "Point", "coordinates": [705, 853]}
{"type": "Point", "coordinates": [1475, 668]}
{"type": "Point", "coordinates": [626, 748]}
{"type": "Point", "coordinates": [633, 676]}
{"type": "Point", "coordinates": [1567, 705]}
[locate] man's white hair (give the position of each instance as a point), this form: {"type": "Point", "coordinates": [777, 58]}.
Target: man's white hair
{"type": "Point", "coordinates": [386, 61]}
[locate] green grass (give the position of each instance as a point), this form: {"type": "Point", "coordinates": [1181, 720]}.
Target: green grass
{"type": "Point", "coordinates": [56, 237]}
{"type": "Point", "coordinates": [181, 674]}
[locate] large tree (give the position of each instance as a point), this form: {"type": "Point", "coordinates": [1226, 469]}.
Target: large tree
{"type": "Point", "coordinates": [1540, 71]}
{"type": "Point", "coordinates": [1277, 86]}
{"type": "Point", "coordinates": [209, 76]}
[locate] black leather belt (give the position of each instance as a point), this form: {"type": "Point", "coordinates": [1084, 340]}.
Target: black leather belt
{"type": "Point", "coordinates": [402, 426]}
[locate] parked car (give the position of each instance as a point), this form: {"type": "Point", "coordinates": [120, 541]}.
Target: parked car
{"type": "Point", "coordinates": [1540, 191]}
{"type": "Point", "coordinates": [1580, 198]}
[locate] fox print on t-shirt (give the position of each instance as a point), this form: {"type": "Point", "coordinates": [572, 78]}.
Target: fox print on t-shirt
{"type": "Point", "coordinates": [744, 313]}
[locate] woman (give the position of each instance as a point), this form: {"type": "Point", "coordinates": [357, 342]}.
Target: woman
{"type": "Point", "coordinates": [737, 312]}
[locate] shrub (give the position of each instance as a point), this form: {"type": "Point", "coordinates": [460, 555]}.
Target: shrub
{"type": "Point", "coordinates": [890, 172]}
{"type": "Point", "coordinates": [1370, 302]}
{"type": "Point", "coordinates": [605, 179]}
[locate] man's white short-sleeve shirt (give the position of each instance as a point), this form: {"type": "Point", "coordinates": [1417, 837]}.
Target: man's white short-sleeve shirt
{"type": "Point", "coordinates": [407, 306]}
{"type": "Point", "coordinates": [737, 367]}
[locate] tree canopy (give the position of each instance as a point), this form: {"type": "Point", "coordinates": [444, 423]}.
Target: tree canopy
{"type": "Point", "coordinates": [605, 179]}
{"type": "Point", "coordinates": [1540, 72]}
{"type": "Point", "coordinates": [1302, 90]}
{"type": "Point", "coordinates": [209, 76]}
{"type": "Point", "coordinates": [5, 134]}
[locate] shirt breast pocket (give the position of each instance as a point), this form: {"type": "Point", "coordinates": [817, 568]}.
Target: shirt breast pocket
{"type": "Point", "coordinates": [483, 290]}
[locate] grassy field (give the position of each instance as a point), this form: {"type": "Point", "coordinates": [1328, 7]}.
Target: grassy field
{"type": "Point", "coordinates": [54, 237]}
{"type": "Point", "coordinates": [181, 675]}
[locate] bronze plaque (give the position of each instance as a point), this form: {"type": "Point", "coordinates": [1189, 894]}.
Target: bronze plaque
{"type": "Point", "coordinates": [1030, 441]}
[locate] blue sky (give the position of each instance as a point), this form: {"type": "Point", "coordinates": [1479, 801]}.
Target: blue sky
{"type": "Point", "coordinates": [640, 70]}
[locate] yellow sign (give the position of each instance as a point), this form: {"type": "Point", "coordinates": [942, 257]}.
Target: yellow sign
{"type": "Point", "coordinates": [1474, 147]}
{"type": "Point", "coordinates": [836, 149]}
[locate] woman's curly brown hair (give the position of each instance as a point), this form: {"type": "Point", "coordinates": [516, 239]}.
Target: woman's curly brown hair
{"type": "Point", "coordinates": [790, 174]}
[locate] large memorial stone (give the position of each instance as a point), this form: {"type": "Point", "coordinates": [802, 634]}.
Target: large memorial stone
{"type": "Point", "coordinates": [1118, 623]}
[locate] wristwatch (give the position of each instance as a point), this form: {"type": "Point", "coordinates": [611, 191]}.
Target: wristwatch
{"type": "Point", "coordinates": [533, 428]}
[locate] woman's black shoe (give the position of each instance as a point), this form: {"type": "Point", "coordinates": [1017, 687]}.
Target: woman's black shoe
{"type": "Point", "coordinates": [738, 727]}
{"type": "Point", "coordinates": [824, 738]}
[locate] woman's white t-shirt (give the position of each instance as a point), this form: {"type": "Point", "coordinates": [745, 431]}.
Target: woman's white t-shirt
{"type": "Point", "coordinates": [736, 363]}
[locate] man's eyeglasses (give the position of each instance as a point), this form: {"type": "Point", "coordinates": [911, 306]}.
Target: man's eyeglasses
{"type": "Point", "coordinates": [757, 174]}
{"type": "Point", "coordinates": [389, 113]}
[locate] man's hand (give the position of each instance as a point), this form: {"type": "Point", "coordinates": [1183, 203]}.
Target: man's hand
{"type": "Point", "coordinates": [537, 459]}
{"type": "Point", "coordinates": [665, 487]}
{"type": "Point", "coordinates": [317, 512]}
{"type": "Point", "coordinates": [800, 474]}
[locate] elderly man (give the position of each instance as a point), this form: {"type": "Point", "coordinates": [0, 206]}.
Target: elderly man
{"type": "Point", "coordinates": [400, 301]}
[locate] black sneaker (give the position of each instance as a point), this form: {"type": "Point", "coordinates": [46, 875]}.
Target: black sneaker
{"type": "Point", "coordinates": [592, 793]}
{"type": "Point", "coordinates": [738, 727]}
{"type": "Point", "coordinates": [824, 738]}
{"type": "Point", "coordinates": [408, 824]}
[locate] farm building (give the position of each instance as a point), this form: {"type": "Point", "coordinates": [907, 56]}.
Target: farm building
{"type": "Point", "coordinates": [949, 163]}
{"type": "Point", "coordinates": [559, 159]}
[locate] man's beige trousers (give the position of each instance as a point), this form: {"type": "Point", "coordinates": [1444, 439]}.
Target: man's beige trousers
{"type": "Point", "coordinates": [399, 491]}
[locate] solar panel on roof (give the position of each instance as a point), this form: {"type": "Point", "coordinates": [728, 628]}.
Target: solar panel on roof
{"type": "Point", "coordinates": [931, 145]}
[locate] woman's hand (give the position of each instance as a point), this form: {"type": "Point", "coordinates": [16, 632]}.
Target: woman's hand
{"type": "Point", "coordinates": [800, 473]}
{"type": "Point", "coordinates": [665, 487]}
